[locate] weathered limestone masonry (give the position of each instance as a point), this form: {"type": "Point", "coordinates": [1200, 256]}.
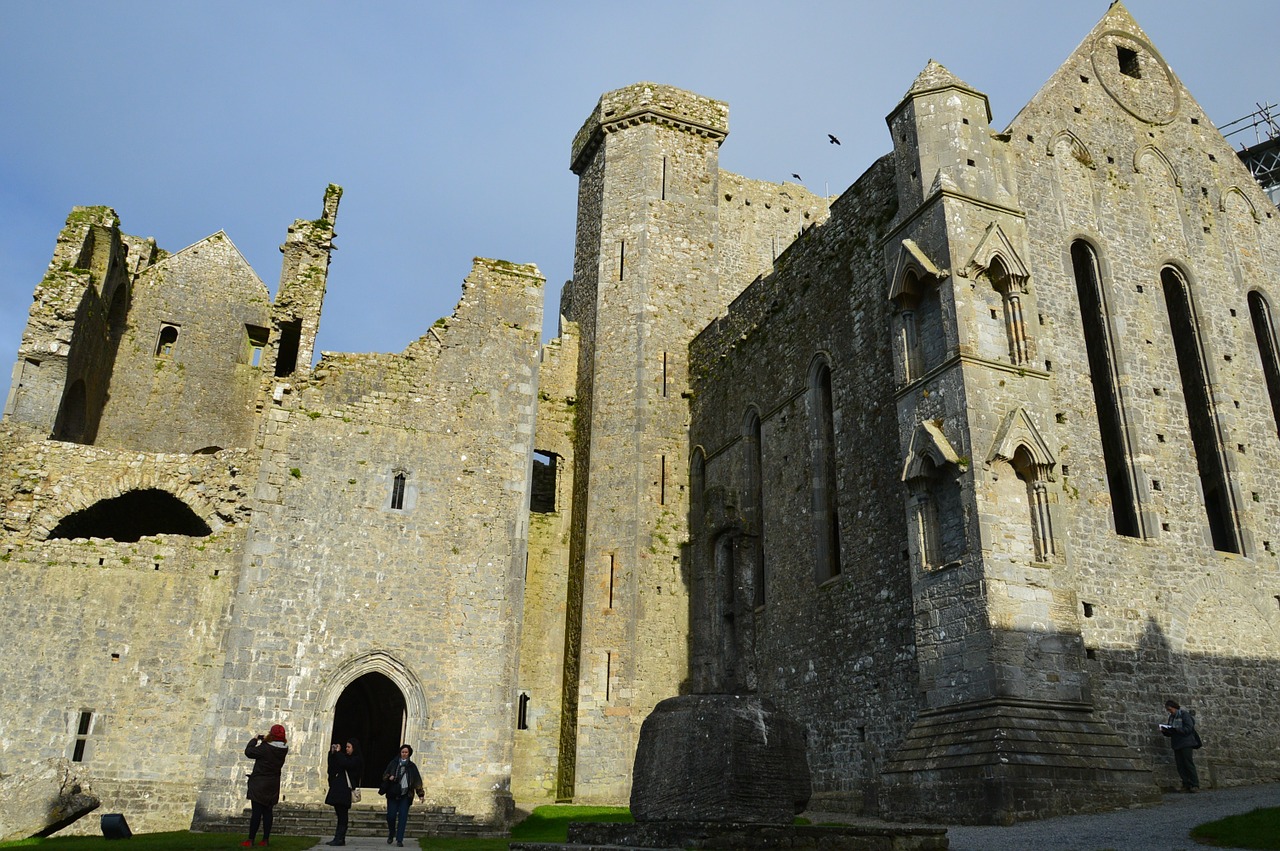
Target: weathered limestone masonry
{"type": "Point", "coordinates": [340, 582]}
{"type": "Point", "coordinates": [223, 538]}
{"type": "Point", "coordinates": [966, 469]}
{"type": "Point", "coordinates": [646, 279]}
{"type": "Point", "coordinates": [541, 679]}
{"type": "Point", "coordinates": [1069, 323]}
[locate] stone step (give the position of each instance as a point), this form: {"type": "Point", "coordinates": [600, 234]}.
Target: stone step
{"type": "Point", "coordinates": [364, 819]}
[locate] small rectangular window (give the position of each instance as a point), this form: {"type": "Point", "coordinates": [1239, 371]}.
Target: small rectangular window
{"type": "Point", "coordinates": [542, 491]}
{"type": "Point", "coordinates": [1129, 64]}
{"type": "Point", "coordinates": [256, 338]}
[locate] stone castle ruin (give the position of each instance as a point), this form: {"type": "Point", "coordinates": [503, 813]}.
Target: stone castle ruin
{"type": "Point", "coordinates": [964, 469]}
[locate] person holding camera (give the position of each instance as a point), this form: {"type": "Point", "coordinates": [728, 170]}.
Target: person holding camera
{"type": "Point", "coordinates": [345, 769]}
{"type": "Point", "coordinates": [268, 753]}
{"type": "Point", "coordinates": [401, 780]}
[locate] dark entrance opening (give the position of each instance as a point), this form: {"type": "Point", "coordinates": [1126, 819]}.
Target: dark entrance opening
{"type": "Point", "coordinates": [372, 709]}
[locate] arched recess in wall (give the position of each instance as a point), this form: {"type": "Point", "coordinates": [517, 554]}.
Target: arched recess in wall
{"type": "Point", "coordinates": [1020, 448]}
{"type": "Point", "coordinates": [1104, 376]}
{"type": "Point", "coordinates": [143, 478]}
{"type": "Point", "coordinates": [377, 666]}
{"type": "Point", "coordinates": [1264, 333]}
{"type": "Point", "coordinates": [824, 483]}
{"type": "Point", "coordinates": [72, 421]}
{"type": "Point", "coordinates": [996, 262]}
{"type": "Point", "coordinates": [934, 506]}
{"type": "Point", "coordinates": [1162, 188]}
{"type": "Point", "coordinates": [1075, 168]}
{"type": "Point", "coordinates": [920, 337]}
{"type": "Point", "coordinates": [697, 485]}
{"type": "Point", "coordinates": [1202, 420]}
{"type": "Point", "coordinates": [752, 438]}
{"type": "Point", "coordinates": [133, 515]}
{"type": "Point", "coordinates": [1242, 225]}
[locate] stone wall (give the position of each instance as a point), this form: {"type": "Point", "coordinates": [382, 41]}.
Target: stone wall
{"type": "Point", "coordinates": [198, 391]}
{"type": "Point", "coordinates": [339, 583]}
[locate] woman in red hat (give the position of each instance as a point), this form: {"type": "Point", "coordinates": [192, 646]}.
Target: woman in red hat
{"type": "Point", "coordinates": [268, 753]}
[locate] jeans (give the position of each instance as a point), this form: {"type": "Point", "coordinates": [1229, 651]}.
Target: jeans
{"type": "Point", "coordinates": [397, 815]}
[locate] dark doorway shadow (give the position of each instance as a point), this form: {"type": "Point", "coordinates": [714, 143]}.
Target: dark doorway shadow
{"type": "Point", "coordinates": [371, 709]}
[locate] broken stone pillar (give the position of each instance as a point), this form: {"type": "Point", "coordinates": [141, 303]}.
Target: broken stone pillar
{"type": "Point", "coordinates": [720, 758]}
{"type": "Point", "coordinates": [43, 799]}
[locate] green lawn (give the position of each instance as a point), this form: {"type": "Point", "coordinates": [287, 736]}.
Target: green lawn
{"type": "Point", "coordinates": [544, 824]}
{"type": "Point", "coordinates": [1259, 829]}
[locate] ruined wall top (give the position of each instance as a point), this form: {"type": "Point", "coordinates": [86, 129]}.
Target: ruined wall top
{"type": "Point", "coordinates": [642, 103]}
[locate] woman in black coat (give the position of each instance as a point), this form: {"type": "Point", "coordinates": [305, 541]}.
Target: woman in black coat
{"type": "Point", "coordinates": [345, 769]}
{"type": "Point", "coordinates": [268, 753]}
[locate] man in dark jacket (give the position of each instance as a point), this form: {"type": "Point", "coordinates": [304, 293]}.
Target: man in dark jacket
{"type": "Point", "coordinates": [1181, 730]}
{"type": "Point", "coordinates": [268, 753]}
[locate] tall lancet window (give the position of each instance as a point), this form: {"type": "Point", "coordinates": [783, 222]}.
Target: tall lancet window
{"type": "Point", "coordinates": [1106, 390]}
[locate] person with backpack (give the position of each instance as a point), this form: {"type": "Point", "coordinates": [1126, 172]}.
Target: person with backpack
{"type": "Point", "coordinates": [1181, 730]}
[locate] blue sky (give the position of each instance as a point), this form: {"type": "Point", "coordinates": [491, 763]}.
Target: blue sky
{"type": "Point", "coordinates": [449, 124]}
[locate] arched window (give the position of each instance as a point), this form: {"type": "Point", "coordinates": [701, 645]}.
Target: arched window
{"type": "Point", "coordinates": [939, 515]}
{"type": "Point", "coordinates": [1264, 331]}
{"type": "Point", "coordinates": [697, 482]}
{"type": "Point", "coordinates": [1015, 328]}
{"type": "Point", "coordinates": [167, 340]}
{"type": "Point", "coordinates": [1201, 417]}
{"type": "Point", "coordinates": [909, 324]}
{"type": "Point", "coordinates": [822, 460]}
{"type": "Point", "coordinates": [397, 490]}
{"type": "Point", "coordinates": [1106, 392]}
{"type": "Point", "coordinates": [755, 502]}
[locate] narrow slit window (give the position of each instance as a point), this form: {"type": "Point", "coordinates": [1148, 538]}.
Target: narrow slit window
{"type": "Point", "coordinates": [664, 178]}
{"type": "Point", "coordinates": [622, 259]}
{"type": "Point", "coordinates": [83, 729]}
{"type": "Point", "coordinates": [613, 575]}
{"type": "Point", "coordinates": [522, 717]}
{"type": "Point", "coordinates": [662, 480]}
{"type": "Point", "coordinates": [397, 491]}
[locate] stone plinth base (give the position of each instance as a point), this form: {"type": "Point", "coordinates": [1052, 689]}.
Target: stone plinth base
{"type": "Point", "coordinates": [1002, 761]}
{"type": "Point", "coordinates": [731, 836]}
{"type": "Point", "coordinates": [719, 758]}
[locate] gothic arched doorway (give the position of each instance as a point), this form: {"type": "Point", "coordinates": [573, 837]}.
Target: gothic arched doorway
{"type": "Point", "coordinates": [372, 709]}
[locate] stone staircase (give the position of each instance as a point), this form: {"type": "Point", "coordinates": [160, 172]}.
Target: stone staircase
{"type": "Point", "coordinates": [365, 819]}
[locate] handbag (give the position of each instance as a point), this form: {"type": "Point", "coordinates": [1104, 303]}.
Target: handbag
{"type": "Point", "coordinates": [355, 792]}
{"type": "Point", "coordinates": [1199, 744]}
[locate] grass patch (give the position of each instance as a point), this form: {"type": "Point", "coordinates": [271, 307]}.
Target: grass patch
{"type": "Point", "coordinates": [176, 840]}
{"type": "Point", "coordinates": [544, 824]}
{"type": "Point", "coordinates": [1259, 829]}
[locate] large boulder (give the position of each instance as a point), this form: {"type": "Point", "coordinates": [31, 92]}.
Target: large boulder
{"type": "Point", "coordinates": [42, 798]}
{"type": "Point", "coordinates": [719, 758]}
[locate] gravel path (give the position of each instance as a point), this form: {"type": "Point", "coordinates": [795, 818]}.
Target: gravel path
{"type": "Point", "coordinates": [1162, 827]}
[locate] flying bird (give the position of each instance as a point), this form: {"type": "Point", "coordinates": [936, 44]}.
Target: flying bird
{"type": "Point", "coordinates": [797, 177]}
{"type": "Point", "coordinates": [833, 139]}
